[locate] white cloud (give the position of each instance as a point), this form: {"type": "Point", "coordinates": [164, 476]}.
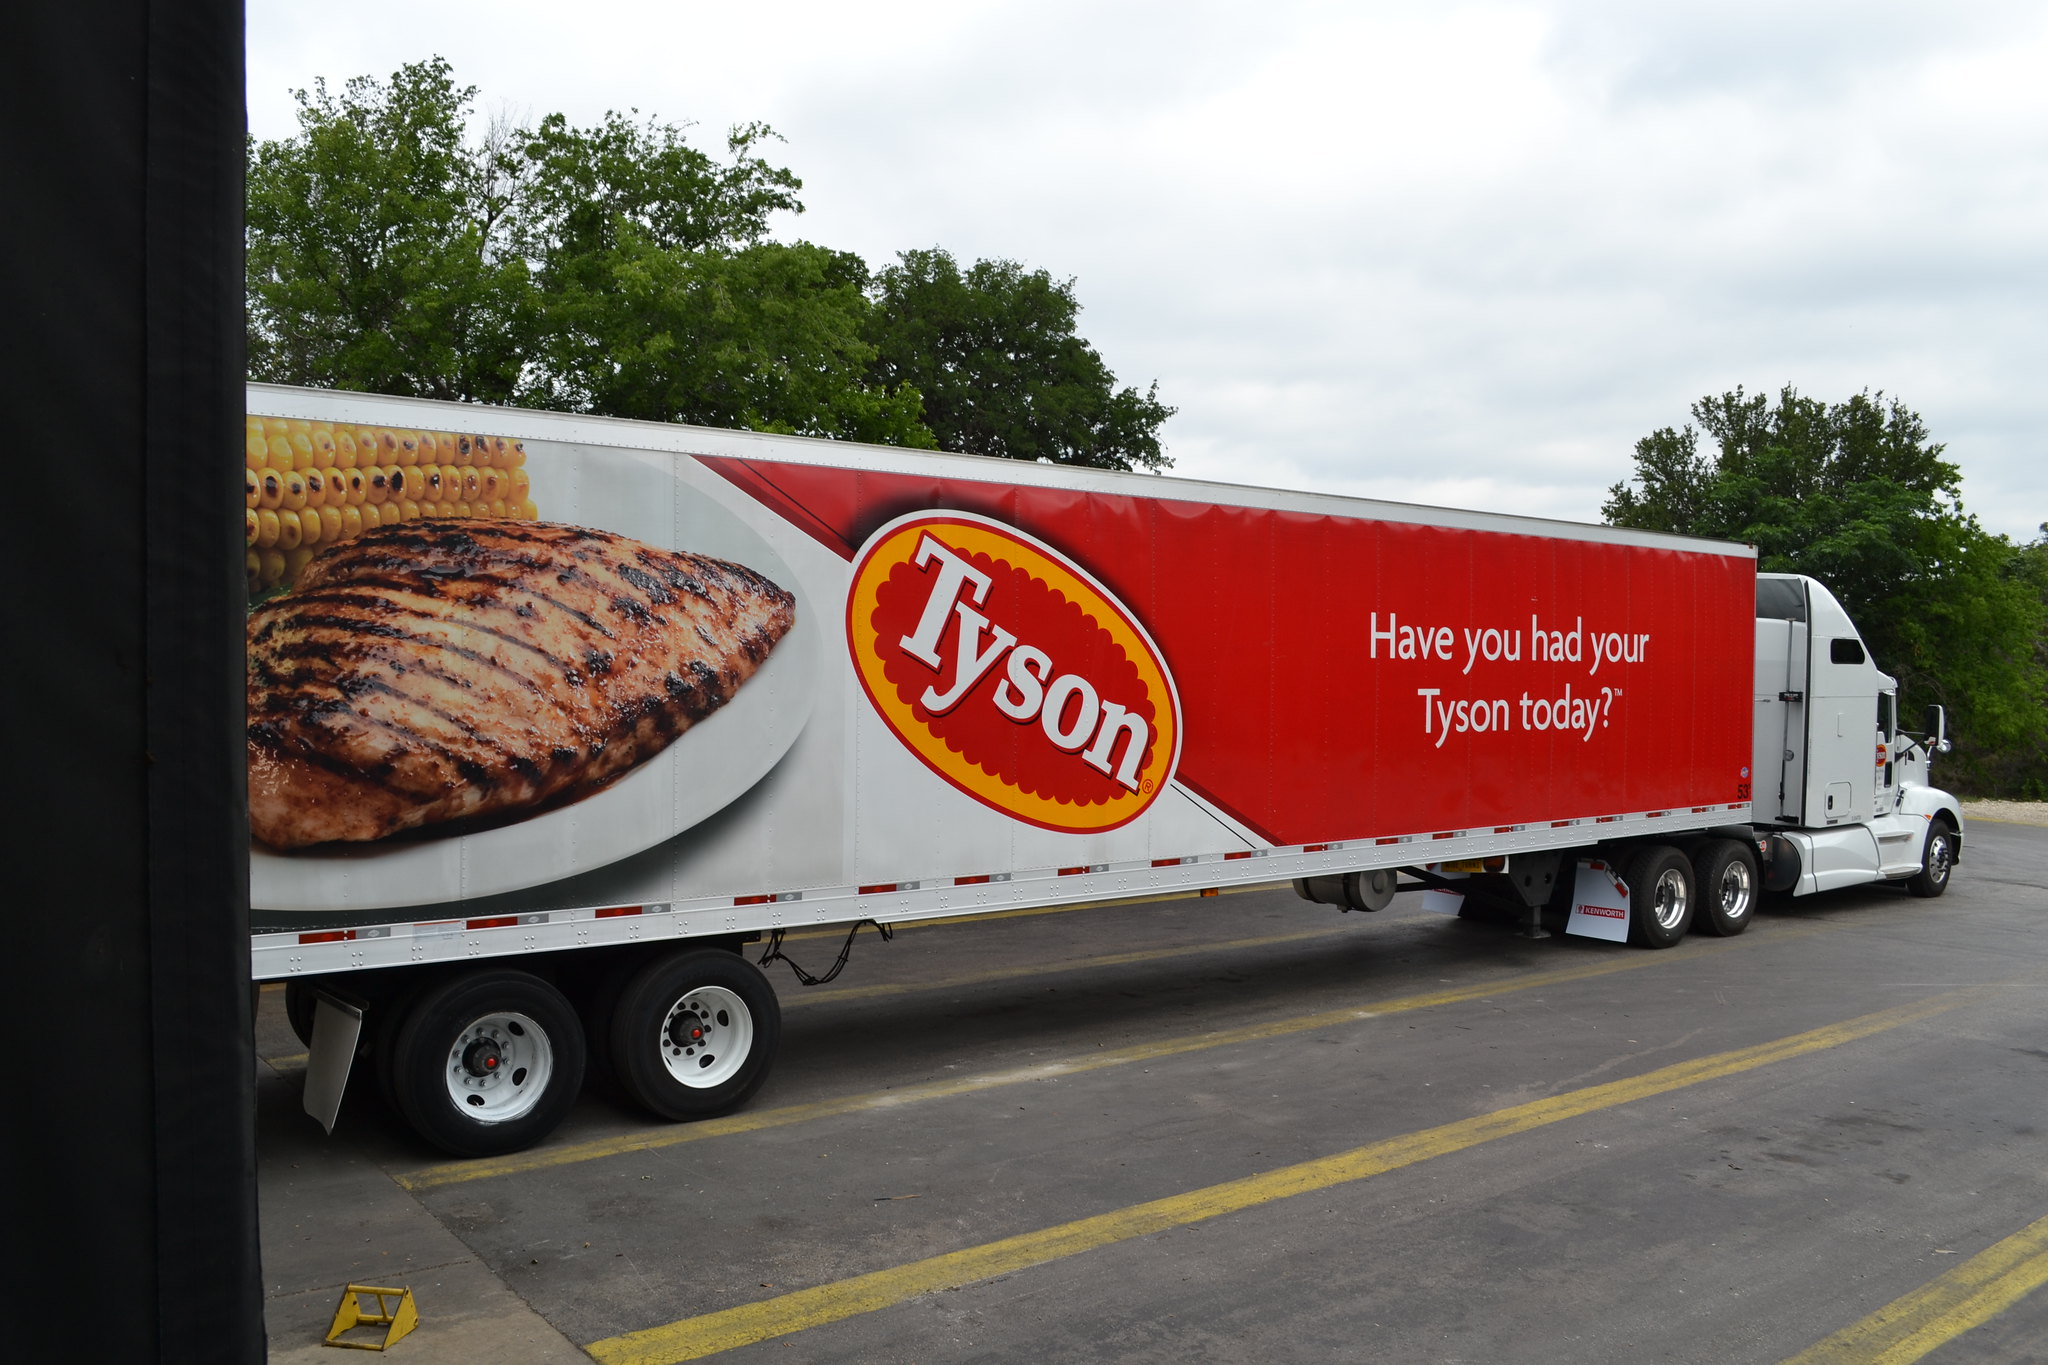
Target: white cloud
{"type": "Point", "coordinates": [1464, 254]}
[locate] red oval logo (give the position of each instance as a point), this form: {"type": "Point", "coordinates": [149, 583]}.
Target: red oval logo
{"type": "Point", "coordinates": [1011, 672]}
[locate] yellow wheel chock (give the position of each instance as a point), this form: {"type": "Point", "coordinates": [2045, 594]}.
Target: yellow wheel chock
{"type": "Point", "coordinates": [349, 1314]}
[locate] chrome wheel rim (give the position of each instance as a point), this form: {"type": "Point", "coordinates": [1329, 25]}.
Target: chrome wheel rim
{"type": "Point", "coordinates": [1735, 889]}
{"type": "Point", "coordinates": [707, 1037]}
{"type": "Point", "coordinates": [1938, 857]}
{"type": "Point", "coordinates": [499, 1067]}
{"type": "Point", "coordinates": [1669, 899]}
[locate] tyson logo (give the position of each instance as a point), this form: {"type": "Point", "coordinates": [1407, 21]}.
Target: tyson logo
{"type": "Point", "coordinates": [1011, 672]}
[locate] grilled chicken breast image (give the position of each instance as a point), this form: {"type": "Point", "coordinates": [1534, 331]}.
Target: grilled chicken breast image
{"type": "Point", "coordinates": [442, 670]}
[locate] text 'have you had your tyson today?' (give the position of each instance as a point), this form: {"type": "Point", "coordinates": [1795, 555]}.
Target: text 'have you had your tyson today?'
{"type": "Point", "coordinates": [1581, 713]}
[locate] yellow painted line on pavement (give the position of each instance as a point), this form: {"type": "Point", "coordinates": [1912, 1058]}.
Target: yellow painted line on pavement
{"type": "Point", "coordinates": [1972, 1294]}
{"type": "Point", "coordinates": [568, 1154]}
{"type": "Point", "coordinates": [693, 1338]}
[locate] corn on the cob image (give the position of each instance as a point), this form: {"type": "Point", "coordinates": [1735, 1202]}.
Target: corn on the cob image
{"type": "Point", "coordinates": [308, 485]}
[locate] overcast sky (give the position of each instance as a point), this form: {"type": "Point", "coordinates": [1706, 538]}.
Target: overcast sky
{"type": "Point", "coordinates": [1456, 254]}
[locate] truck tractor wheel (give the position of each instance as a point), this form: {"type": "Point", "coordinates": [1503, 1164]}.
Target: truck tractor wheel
{"type": "Point", "coordinates": [1724, 873]}
{"type": "Point", "coordinates": [1937, 861]}
{"type": "Point", "coordinates": [1660, 895]}
{"type": "Point", "coordinates": [694, 1033]}
{"type": "Point", "coordinates": [487, 1063]}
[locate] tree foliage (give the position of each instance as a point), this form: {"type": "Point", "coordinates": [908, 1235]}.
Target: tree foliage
{"type": "Point", "coordinates": [378, 252]}
{"type": "Point", "coordinates": [1857, 495]}
{"type": "Point", "coordinates": [994, 352]}
{"type": "Point", "coordinates": [766, 338]}
{"type": "Point", "coordinates": [619, 269]}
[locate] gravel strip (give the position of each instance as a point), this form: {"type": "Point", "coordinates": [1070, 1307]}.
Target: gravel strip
{"type": "Point", "coordinates": [2011, 812]}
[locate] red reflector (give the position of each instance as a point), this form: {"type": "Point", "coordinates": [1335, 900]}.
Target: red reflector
{"type": "Point", "coordinates": [1447, 834]}
{"type": "Point", "coordinates": [1233, 857]}
{"type": "Point", "coordinates": [1315, 848]}
{"type": "Point", "coordinates": [751, 900]}
{"type": "Point", "coordinates": [1166, 862]}
{"type": "Point", "coordinates": [617, 910]}
{"type": "Point", "coordinates": [327, 936]}
{"type": "Point", "coordinates": [1503, 829]}
{"type": "Point", "coordinates": [1604, 819]}
{"type": "Point", "coordinates": [1559, 824]}
{"type": "Point", "coordinates": [1382, 843]}
{"type": "Point", "coordinates": [969, 881]}
{"type": "Point", "coordinates": [1072, 871]}
{"type": "Point", "coordinates": [495, 922]}
{"type": "Point", "coordinates": [1208, 890]}
{"type": "Point", "coordinates": [877, 889]}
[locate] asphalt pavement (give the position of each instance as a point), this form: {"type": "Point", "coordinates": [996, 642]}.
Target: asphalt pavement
{"type": "Point", "coordinates": [1244, 1128]}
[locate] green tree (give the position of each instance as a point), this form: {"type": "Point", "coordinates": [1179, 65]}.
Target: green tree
{"type": "Point", "coordinates": [618, 269]}
{"type": "Point", "coordinates": [379, 253]}
{"type": "Point", "coordinates": [994, 353]}
{"type": "Point", "coordinates": [767, 338]}
{"type": "Point", "coordinates": [1856, 495]}
{"type": "Point", "coordinates": [614, 269]}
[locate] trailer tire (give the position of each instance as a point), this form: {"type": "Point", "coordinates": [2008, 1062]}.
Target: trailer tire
{"type": "Point", "coordinates": [1937, 861]}
{"type": "Point", "coordinates": [694, 1033]}
{"type": "Point", "coordinates": [299, 1001]}
{"type": "Point", "coordinates": [1661, 896]}
{"type": "Point", "coordinates": [302, 1003]}
{"type": "Point", "coordinates": [386, 1020]}
{"type": "Point", "coordinates": [487, 1063]}
{"type": "Point", "coordinates": [1724, 873]}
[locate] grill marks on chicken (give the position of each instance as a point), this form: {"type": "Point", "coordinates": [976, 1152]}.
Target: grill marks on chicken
{"type": "Point", "coordinates": [442, 670]}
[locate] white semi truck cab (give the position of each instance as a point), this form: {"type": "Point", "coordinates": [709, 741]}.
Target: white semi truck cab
{"type": "Point", "coordinates": [1841, 794]}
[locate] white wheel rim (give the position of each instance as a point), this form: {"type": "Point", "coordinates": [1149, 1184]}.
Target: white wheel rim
{"type": "Point", "coordinates": [1669, 907]}
{"type": "Point", "coordinates": [706, 1038]}
{"type": "Point", "coordinates": [499, 1068]}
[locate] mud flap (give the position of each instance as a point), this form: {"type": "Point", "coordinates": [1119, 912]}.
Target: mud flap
{"type": "Point", "coordinates": [1599, 903]}
{"type": "Point", "coordinates": [337, 1025]}
{"type": "Point", "coordinates": [1439, 901]}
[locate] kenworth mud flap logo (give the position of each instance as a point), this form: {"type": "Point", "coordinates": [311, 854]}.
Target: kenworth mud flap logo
{"type": "Point", "coordinates": [1011, 672]}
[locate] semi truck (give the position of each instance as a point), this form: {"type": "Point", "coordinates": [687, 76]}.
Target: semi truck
{"type": "Point", "coordinates": [558, 723]}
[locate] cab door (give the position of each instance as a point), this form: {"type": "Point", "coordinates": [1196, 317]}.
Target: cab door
{"type": "Point", "coordinates": [1885, 784]}
{"type": "Point", "coordinates": [1778, 745]}
{"type": "Point", "coordinates": [1843, 686]}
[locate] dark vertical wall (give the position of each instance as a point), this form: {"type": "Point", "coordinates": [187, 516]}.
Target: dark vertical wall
{"type": "Point", "coordinates": [128, 1149]}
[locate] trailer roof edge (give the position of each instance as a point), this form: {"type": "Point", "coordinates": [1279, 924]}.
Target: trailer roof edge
{"type": "Point", "coordinates": [282, 400]}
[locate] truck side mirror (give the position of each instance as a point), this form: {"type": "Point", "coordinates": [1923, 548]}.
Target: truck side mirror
{"type": "Point", "coordinates": [1937, 730]}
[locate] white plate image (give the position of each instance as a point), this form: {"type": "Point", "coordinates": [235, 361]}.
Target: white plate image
{"type": "Point", "coordinates": [703, 770]}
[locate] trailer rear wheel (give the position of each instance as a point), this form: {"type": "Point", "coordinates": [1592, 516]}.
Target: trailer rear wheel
{"type": "Point", "coordinates": [1937, 862]}
{"type": "Point", "coordinates": [694, 1033]}
{"type": "Point", "coordinates": [299, 1003]}
{"type": "Point", "coordinates": [487, 1063]}
{"type": "Point", "coordinates": [1660, 895]}
{"type": "Point", "coordinates": [1725, 875]}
